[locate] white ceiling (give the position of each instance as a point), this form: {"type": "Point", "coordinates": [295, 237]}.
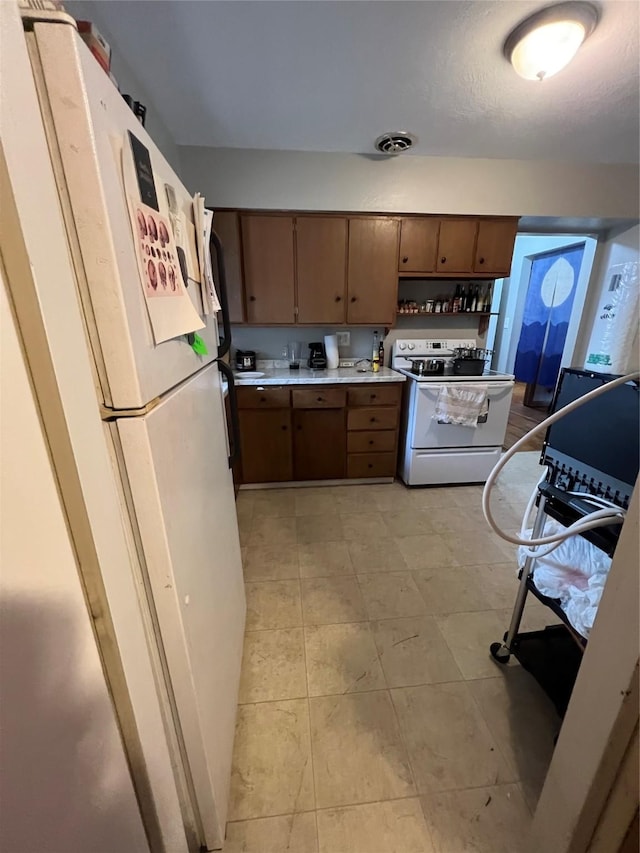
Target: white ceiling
{"type": "Point", "coordinates": [331, 76]}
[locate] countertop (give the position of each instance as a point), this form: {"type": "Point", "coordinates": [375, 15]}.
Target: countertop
{"type": "Point", "coordinates": [304, 376]}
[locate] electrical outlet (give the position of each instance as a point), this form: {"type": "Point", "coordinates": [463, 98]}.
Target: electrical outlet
{"type": "Point", "coordinates": [347, 362]}
{"type": "Point", "coordinates": [344, 339]}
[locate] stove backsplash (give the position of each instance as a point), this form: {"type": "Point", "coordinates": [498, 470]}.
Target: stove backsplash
{"type": "Point", "coordinates": [268, 342]}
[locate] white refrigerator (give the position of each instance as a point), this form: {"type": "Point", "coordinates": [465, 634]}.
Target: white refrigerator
{"type": "Point", "coordinates": [163, 415]}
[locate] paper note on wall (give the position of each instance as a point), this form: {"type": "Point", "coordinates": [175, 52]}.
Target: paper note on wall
{"type": "Point", "coordinates": [171, 311]}
{"type": "Point", "coordinates": [616, 321]}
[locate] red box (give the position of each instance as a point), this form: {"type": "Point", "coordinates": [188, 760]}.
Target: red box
{"type": "Point", "coordinates": [96, 43]}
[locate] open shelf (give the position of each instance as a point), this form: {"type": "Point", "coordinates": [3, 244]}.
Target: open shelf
{"type": "Point", "coordinates": [446, 314]}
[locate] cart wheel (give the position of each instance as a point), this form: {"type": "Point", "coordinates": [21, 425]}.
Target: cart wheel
{"type": "Point", "coordinates": [499, 653]}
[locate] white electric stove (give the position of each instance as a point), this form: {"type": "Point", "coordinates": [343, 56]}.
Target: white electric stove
{"type": "Point", "coordinates": [435, 453]}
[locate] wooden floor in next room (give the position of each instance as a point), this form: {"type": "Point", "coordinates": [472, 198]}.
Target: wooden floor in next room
{"type": "Point", "coordinates": [521, 419]}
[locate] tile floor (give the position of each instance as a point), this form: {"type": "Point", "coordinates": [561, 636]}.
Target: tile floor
{"type": "Point", "coordinates": [372, 717]}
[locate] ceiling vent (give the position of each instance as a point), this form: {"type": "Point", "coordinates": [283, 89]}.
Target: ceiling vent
{"type": "Point", "coordinates": [395, 142]}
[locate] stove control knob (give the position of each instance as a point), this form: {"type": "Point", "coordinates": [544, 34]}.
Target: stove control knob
{"type": "Point", "coordinates": [411, 346]}
{"type": "Point", "coordinates": [402, 346]}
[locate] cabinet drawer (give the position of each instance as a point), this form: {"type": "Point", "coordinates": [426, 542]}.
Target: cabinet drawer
{"type": "Point", "coordinates": [310, 398]}
{"type": "Point", "coordinates": [371, 441]}
{"type": "Point", "coordinates": [263, 398]}
{"type": "Point", "coordinates": [382, 418]}
{"type": "Point", "coordinates": [371, 465]}
{"type": "Point", "coordinates": [382, 395]}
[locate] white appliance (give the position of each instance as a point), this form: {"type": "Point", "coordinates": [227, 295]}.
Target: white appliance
{"type": "Point", "coordinates": [436, 453]}
{"type": "Point", "coordinates": [164, 423]}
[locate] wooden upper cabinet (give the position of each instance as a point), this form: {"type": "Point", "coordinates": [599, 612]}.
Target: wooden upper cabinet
{"type": "Point", "coordinates": [456, 245]}
{"type": "Point", "coordinates": [418, 245]}
{"type": "Point", "coordinates": [226, 224]}
{"type": "Point", "coordinates": [494, 248]}
{"type": "Point", "coordinates": [372, 279]}
{"type": "Point", "coordinates": [268, 253]}
{"type": "Point", "coordinates": [321, 266]}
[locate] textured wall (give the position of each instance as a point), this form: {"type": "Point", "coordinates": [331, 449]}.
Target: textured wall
{"type": "Point", "coordinates": [318, 181]}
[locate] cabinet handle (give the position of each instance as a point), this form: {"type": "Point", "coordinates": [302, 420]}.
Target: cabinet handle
{"type": "Point", "coordinates": [252, 299]}
{"type": "Point", "coordinates": [299, 427]}
{"type": "Point", "coordinates": [443, 260]}
{"type": "Point", "coordinates": [284, 427]}
{"type": "Point", "coordinates": [319, 399]}
{"type": "Point", "coordinates": [354, 298]}
{"type": "Point", "coordinates": [372, 396]}
{"type": "Point", "coordinates": [480, 260]}
{"type": "Point", "coordinates": [338, 298]}
{"type": "Point", "coordinates": [372, 420]}
{"type": "Point", "coordinates": [370, 465]}
{"type": "Point", "coordinates": [370, 441]}
{"type": "Point", "coordinates": [263, 399]}
{"type": "Point", "coordinates": [405, 260]}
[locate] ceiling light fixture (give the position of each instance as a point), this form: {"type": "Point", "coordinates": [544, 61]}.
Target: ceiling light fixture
{"type": "Point", "coordinates": [545, 42]}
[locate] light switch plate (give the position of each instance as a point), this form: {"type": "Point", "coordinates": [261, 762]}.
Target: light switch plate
{"type": "Point", "coordinates": [344, 339]}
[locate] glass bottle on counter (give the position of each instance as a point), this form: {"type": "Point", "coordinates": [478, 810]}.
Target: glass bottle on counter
{"type": "Point", "coordinates": [375, 354]}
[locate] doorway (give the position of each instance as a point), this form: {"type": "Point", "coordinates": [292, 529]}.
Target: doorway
{"type": "Point", "coordinates": [550, 297]}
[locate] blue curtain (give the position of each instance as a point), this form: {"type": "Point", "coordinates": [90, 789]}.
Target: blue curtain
{"type": "Point", "coordinates": [547, 311]}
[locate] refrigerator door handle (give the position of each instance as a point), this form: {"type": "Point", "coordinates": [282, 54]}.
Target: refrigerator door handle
{"type": "Point", "coordinates": [215, 244]}
{"type": "Point", "coordinates": [224, 368]}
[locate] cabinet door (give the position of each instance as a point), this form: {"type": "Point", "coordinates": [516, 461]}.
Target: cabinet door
{"type": "Point", "coordinates": [321, 268]}
{"type": "Point", "coordinates": [265, 445]}
{"type": "Point", "coordinates": [372, 280]}
{"type": "Point", "coordinates": [456, 245]}
{"type": "Point", "coordinates": [319, 444]}
{"type": "Point", "coordinates": [418, 245]}
{"type": "Point", "coordinates": [267, 249]}
{"type": "Point", "coordinates": [495, 245]}
{"type": "Point", "coordinates": [226, 224]}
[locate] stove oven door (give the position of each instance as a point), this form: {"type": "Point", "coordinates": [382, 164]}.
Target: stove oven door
{"type": "Point", "coordinates": [428, 433]}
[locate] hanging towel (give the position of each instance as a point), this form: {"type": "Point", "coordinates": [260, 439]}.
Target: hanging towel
{"type": "Point", "coordinates": [462, 404]}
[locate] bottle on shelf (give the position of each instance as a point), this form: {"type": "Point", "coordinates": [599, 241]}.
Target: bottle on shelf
{"type": "Point", "coordinates": [438, 306]}
{"type": "Point", "coordinates": [474, 299]}
{"type": "Point", "coordinates": [487, 300]}
{"type": "Point", "coordinates": [455, 305]}
{"type": "Point", "coordinates": [375, 355]}
{"type": "Point", "coordinates": [446, 305]}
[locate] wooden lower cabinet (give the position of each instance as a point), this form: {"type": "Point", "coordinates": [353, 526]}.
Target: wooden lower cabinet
{"type": "Point", "coordinates": [371, 465]}
{"type": "Point", "coordinates": [319, 447]}
{"type": "Point", "coordinates": [324, 433]}
{"type": "Point", "coordinates": [265, 445]}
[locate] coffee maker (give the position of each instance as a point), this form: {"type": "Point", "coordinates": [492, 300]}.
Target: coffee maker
{"type": "Point", "coordinates": [317, 357]}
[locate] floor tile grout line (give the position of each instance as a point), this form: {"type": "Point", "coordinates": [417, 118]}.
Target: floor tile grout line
{"type": "Point", "coordinates": [435, 616]}
{"type": "Point", "coordinates": [417, 796]}
{"type": "Point", "coordinates": [306, 676]}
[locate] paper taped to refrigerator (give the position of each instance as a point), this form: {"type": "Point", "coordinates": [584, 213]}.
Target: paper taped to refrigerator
{"type": "Point", "coordinates": [203, 220]}
{"type": "Point", "coordinates": [171, 311]}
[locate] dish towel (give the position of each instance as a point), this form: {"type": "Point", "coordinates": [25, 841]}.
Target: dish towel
{"type": "Point", "coordinates": [461, 404]}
